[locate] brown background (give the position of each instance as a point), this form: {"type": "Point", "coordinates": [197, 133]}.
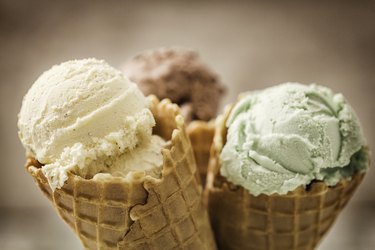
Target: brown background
{"type": "Point", "coordinates": [251, 44]}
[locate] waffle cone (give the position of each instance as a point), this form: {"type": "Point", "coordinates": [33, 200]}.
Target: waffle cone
{"type": "Point", "coordinates": [141, 212]}
{"type": "Point", "coordinates": [201, 135]}
{"type": "Point", "coordinates": [297, 220]}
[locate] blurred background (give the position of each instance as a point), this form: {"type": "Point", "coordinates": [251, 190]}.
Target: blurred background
{"type": "Point", "coordinates": [251, 44]}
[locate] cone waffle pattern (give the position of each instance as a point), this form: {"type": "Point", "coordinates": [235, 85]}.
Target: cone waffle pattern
{"type": "Point", "coordinates": [297, 220]}
{"type": "Point", "coordinates": [201, 135]}
{"type": "Point", "coordinates": [145, 213]}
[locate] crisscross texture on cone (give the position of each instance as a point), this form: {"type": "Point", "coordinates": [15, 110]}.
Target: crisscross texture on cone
{"type": "Point", "coordinates": [297, 220]}
{"type": "Point", "coordinates": [144, 213]}
{"type": "Point", "coordinates": [201, 135]}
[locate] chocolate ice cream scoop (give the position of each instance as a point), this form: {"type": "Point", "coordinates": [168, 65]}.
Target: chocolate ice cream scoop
{"type": "Point", "coordinates": [180, 75]}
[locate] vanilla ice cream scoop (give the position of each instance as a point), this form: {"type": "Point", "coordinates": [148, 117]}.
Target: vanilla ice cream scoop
{"type": "Point", "coordinates": [288, 135]}
{"type": "Point", "coordinates": [80, 112]}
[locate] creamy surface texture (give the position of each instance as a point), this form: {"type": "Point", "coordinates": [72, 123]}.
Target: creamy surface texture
{"type": "Point", "coordinates": [80, 113]}
{"type": "Point", "coordinates": [180, 75]}
{"type": "Point", "coordinates": [146, 158]}
{"type": "Point", "coordinates": [288, 135]}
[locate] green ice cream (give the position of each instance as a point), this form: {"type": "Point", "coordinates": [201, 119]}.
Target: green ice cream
{"type": "Point", "coordinates": [288, 135]}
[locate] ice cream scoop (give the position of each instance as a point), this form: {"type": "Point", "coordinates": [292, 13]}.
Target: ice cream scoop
{"type": "Point", "coordinates": [289, 135]}
{"type": "Point", "coordinates": [82, 116]}
{"type": "Point", "coordinates": [180, 75]}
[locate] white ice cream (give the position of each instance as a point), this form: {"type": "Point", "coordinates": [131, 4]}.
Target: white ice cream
{"type": "Point", "coordinates": [80, 113]}
{"type": "Point", "coordinates": [144, 158]}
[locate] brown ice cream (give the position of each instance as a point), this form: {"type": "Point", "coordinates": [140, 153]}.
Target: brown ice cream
{"type": "Point", "coordinates": [180, 75]}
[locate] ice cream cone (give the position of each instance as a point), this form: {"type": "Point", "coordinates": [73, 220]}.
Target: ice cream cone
{"type": "Point", "coordinates": [297, 220]}
{"type": "Point", "coordinates": [140, 212]}
{"type": "Point", "coordinates": [201, 135]}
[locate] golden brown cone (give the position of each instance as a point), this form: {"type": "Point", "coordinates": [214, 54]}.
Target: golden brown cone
{"type": "Point", "coordinates": [295, 221]}
{"type": "Point", "coordinates": [201, 135]}
{"type": "Point", "coordinates": [144, 213]}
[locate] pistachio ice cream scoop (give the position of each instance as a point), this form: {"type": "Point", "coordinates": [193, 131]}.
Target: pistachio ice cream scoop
{"type": "Point", "coordinates": [289, 135]}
